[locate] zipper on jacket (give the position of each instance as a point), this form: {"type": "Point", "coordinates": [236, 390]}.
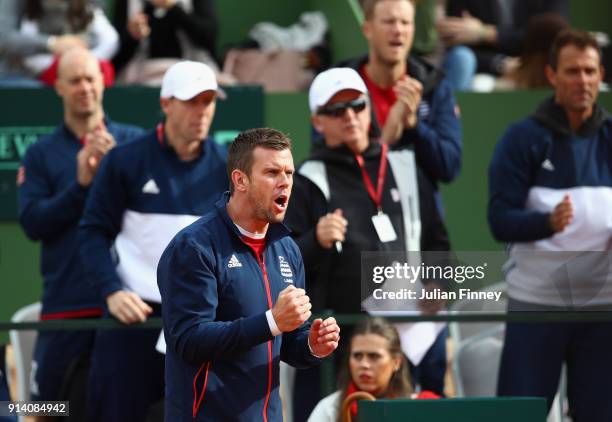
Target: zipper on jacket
{"type": "Point", "coordinates": [269, 298]}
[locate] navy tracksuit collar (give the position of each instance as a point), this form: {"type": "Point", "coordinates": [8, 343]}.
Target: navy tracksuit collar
{"type": "Point", "coordinates": [553, 116]}
{"type": "Point", "coordinates": [416, 68]}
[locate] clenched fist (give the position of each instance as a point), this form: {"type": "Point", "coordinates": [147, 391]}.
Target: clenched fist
{"type": "Point", "coordinates": [292, 309]}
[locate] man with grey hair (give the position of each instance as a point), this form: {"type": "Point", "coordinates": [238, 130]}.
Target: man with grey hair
{"type": "Point", "coordinates": [353, 194]}
{"type": "Point", "coordinates": [347, 181]}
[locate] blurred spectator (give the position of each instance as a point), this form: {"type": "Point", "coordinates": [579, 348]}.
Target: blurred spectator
{"type": "Point", "coordinates": [32, 32]}
{"type": "Point", "coordinates": [458, 62]}
{"type": "Point", "coordinates": [53, 184]}
{"type": "Point", "coordinates": [426, 38]}
{"type": "Point", "coordinates": [279, 58]}
{"type": "Point", "coordinates": [352, 168]}
{"type": "Point", "coordinates": [549, 180]}
{"type": "Point", "coordinates": [529, 72]}
{"type": "Point", "coordinates": [493, 29]}
{"type": "Point", "coordinates": [155, 34]}
{"type": "Point", "coordinates": [412, 102]}
{"type": "Point", "coordinates": [413, 108]}
{"type": "Point", "coordinates": [145, 192]}
{"type": "Point", "coordinates": [374, 363]}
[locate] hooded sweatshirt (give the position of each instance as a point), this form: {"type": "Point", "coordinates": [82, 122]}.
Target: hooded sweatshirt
{"type": "Point", "coordinates": [334, 278]}
{"type": "Point", "coordinates": [536, 163]}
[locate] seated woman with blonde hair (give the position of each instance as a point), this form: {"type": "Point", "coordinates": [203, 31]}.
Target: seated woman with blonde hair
{"type": "Point", "coordinates": [374, 364]}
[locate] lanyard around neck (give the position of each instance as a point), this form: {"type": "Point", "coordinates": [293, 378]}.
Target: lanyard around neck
{"type": "Point", "coordinates": [375, 195]}
{"type": "Point", "coordinates": [160, 133]}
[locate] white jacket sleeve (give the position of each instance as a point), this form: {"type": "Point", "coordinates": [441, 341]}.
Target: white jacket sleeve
{"type": "Point", "coordinates": [103, 38]}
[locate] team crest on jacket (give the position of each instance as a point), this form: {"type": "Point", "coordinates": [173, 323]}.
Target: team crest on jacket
{"type": "Point", "coordinates": [423, 110]}
{"type": "Point", "coordinates": [285, 269]}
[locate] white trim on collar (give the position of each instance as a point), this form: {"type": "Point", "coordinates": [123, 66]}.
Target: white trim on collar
{"type": "Point", "coordinates": [249, 234]}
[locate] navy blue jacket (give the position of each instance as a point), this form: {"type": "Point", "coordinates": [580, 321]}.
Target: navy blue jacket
{"type": "Point", "coordinates": [542, 152]}
{"type": "Point", "coordinates": [436, 139]}
{"type": "Point", "coordinates": [143, 195]}
{"type": "Point", "coordinates": [510, 19]}
{"type": "Point", "coordinates": [50, 205]}
{"type": "Point", "coordinates": [539, 161]}
{"type": "Point", "coordinates": [222, 362]}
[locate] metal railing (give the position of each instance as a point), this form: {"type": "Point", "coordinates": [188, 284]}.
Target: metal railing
{"type": "Point", "coordinates": [349, 319]}
{"type": "Point", "coordinates": [328, 366]}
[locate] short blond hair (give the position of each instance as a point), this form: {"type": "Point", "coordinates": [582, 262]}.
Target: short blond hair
{"type": "Point", "coordinates": [369, 5]}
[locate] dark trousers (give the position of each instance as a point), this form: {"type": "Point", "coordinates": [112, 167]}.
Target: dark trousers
{"type": "Point", "coordinates": [127, 374]}
{"type": "Point", "coordinates": [55, 353]}
{"type": "Point", "coordinates": [429, 373]}
{"type": "Point", "coordinates": [534, 353]}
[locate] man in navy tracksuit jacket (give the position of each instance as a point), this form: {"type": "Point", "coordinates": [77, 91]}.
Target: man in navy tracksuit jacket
{"type": "Point", "coordinates": [53, 184]}
{"type": "Point", "coordinates": [436, 137]}
{"type": "Point", "coordinates": [550, 194]}
{"type": "Point", "coordinates": [144, 194]}
{"type": "Point", "coordinates": [412, 102]}
{"type": "Point", "coordinates": [232, 285]}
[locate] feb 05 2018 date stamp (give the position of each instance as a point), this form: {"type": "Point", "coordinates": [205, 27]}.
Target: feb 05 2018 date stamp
{"type": "Point", "coordinates": [34, 408]}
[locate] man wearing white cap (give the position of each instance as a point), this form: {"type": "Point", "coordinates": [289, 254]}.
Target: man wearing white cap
{"type": "Point", "coordinates": [352, 195]}
{"type": "Point", "coordinates": [145, 192]}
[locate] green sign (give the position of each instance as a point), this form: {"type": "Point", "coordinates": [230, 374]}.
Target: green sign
{"type": "Point", "coordinates": [14, 140]}
{"type": "Point", "coordinates": [499, 409]}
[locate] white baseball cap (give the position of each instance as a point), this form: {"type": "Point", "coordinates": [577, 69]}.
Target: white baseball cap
{"type": "Point", "coordinates": [184, 80]}
{"type": "Point", "coordinates": [334, 80]}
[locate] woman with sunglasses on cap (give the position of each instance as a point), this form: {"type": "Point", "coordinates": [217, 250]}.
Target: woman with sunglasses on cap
{"type": "Point", "coordinates": [374, 364]}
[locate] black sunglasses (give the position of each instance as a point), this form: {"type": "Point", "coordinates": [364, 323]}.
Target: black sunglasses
{"type": "Point", "coordinates": [338, 109]}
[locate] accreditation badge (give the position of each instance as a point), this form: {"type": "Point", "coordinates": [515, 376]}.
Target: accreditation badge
{"type": "Point", "coordinates": [384, 228]}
